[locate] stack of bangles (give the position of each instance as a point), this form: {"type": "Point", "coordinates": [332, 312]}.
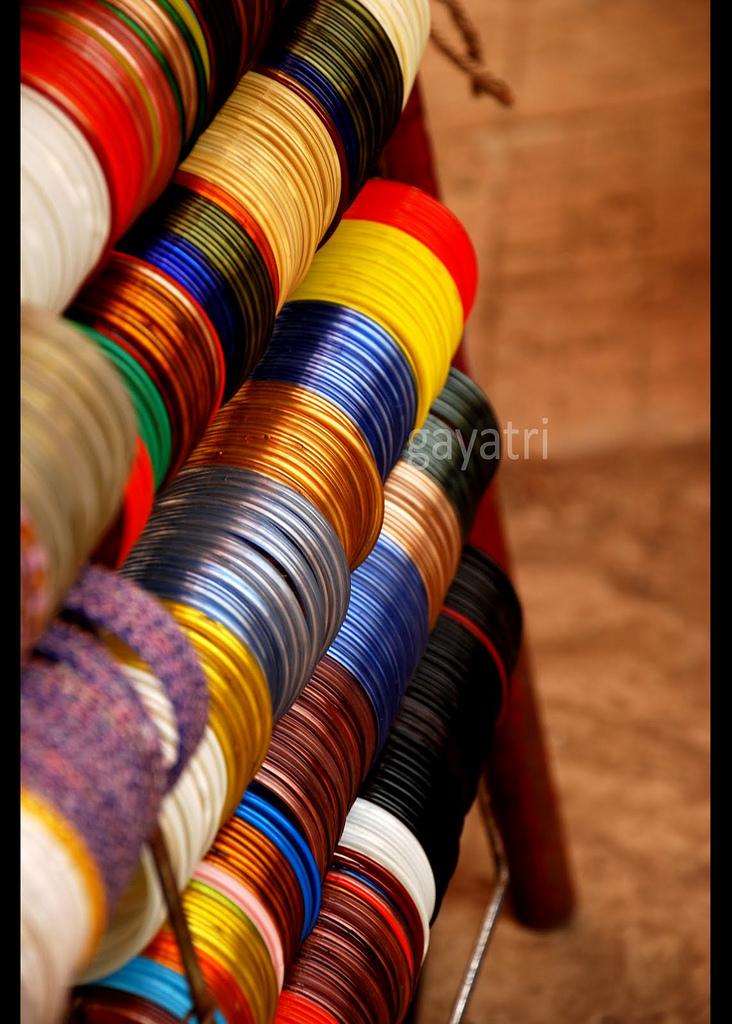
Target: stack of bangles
{"type": "Point", "coordinates": [274, 858]}
{"type": "Point", "coordinates": [79, 450]}
{"type": "Point", "coordinates": [400, 844]}
{"type": "Point", "coordinates": [249, 616]}
{"type": "Point", "coordinates": [254, 548]}
{"type": "Point", "coordinates": [114, 94]}
{"type": "Point", "coordinates": [100, 749]}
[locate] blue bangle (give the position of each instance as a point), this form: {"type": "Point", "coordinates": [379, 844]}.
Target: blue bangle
{"type": "Point", "coordinates": [258, 811]}
{"type": "Point", "coordinates": [158, 983]}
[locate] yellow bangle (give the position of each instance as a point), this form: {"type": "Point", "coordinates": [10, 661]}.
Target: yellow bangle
{"type": "Point", "coordinates": [397, 281]}
{"type": "Point", "coordinates": [77, 850]}
{"type": "Point", "coordinates": [240, 710]}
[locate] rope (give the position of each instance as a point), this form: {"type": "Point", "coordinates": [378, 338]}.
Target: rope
{"type": "Point", "coordinates": [471, 62]}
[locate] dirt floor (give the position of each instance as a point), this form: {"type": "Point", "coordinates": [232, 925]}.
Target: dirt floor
{"type": "Point", "coordinates": [588, 204]}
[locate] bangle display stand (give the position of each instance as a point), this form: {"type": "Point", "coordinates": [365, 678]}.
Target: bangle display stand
{"type": "Point", "coordinates": [518, 801]}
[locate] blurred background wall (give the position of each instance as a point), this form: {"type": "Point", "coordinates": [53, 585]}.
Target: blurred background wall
{"type": "Point", "coordinates": [588, 204]}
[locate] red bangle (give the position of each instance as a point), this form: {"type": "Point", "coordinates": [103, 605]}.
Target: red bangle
{"type": "Point", "coordinates": [426, 219]}
{"type": "Point", "coordinates": [293, 1008]}
{"type": "Point", "coordinates": [68, 66]}
{"type": "Point", "coordinates": [490, 647]}
{"type": "Point", "coordinates": [138, 501]}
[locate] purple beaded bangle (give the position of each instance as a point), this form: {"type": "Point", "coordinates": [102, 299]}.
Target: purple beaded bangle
{"type": "Point", "coordinates": [119, 605]}
{"type": "Point", "coordinates": [89, 748]}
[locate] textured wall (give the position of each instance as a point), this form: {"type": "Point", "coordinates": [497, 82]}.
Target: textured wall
{"type": "Point", "coordinates": [588, 203]}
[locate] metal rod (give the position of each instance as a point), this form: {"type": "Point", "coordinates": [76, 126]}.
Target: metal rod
{"type": "Point", "coordinates": [203, 1004]}
{"type": "Point", "coordinates": [75, 1013]}
{"type": "Point", "coordinates": [492, 911]}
